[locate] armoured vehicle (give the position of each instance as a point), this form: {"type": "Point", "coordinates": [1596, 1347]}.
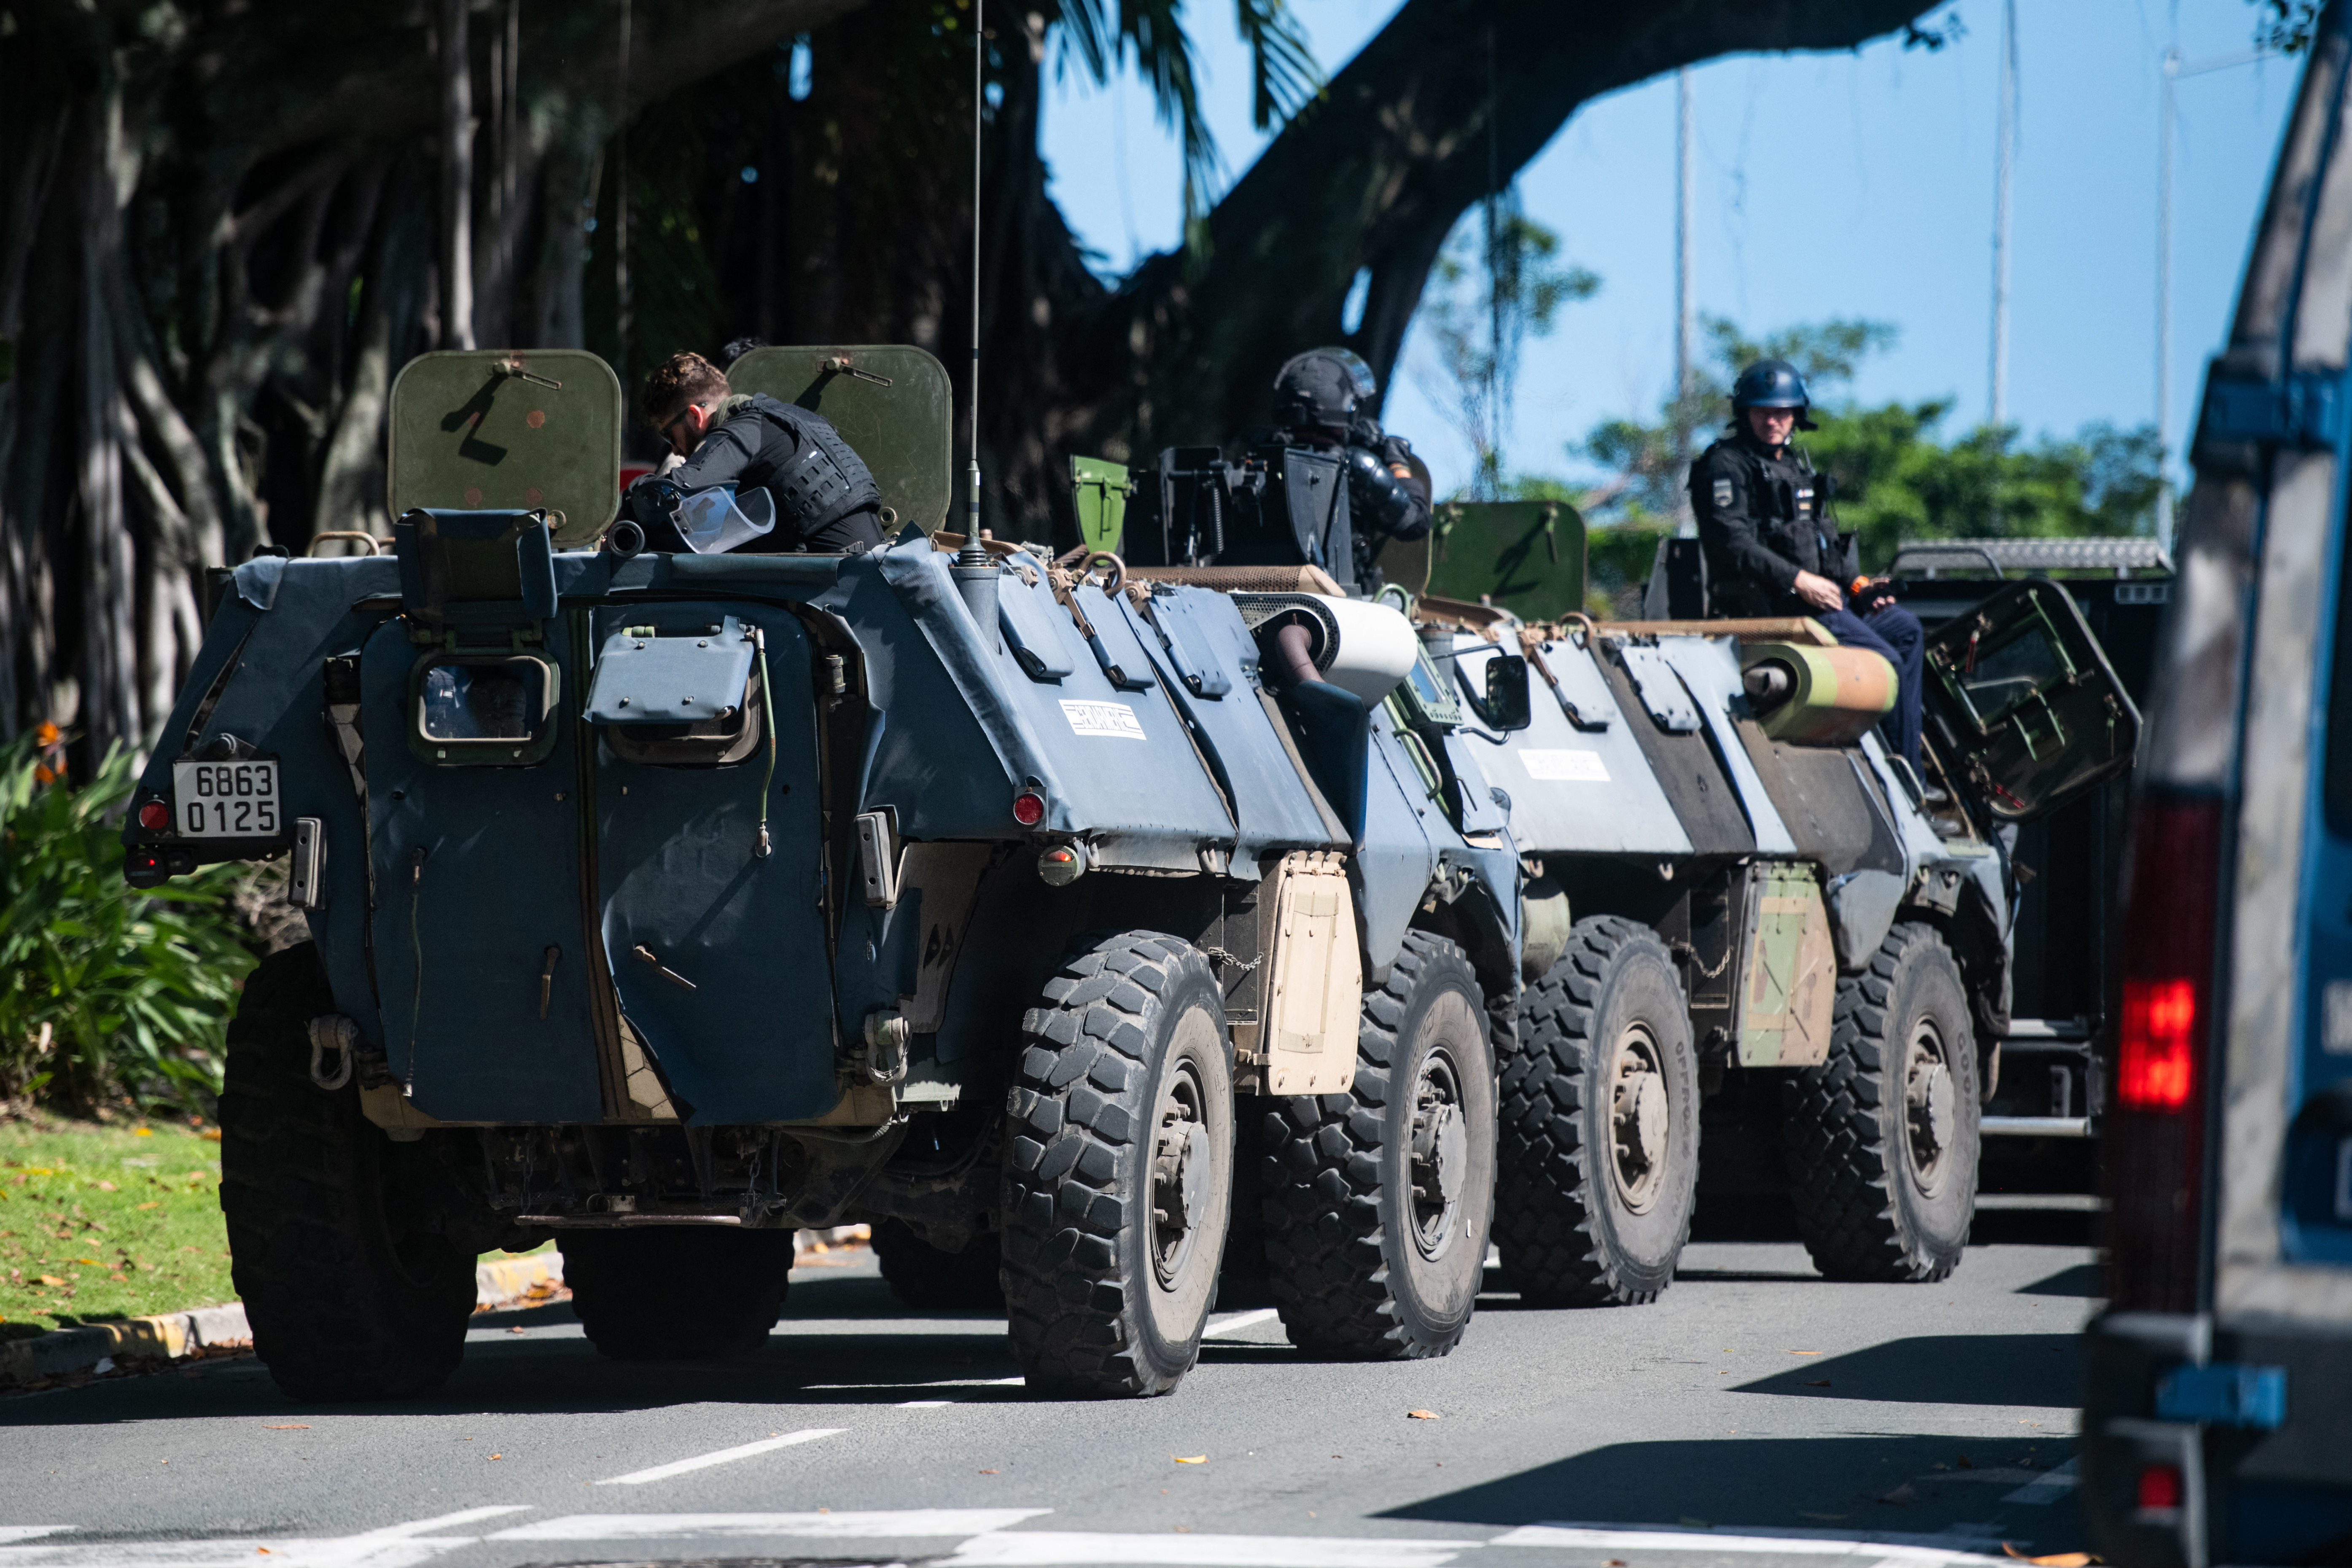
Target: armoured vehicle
{"type": "Point", "coordinates": [1747, 929]}
{"type": "Point", "coordinates": [667, 903]}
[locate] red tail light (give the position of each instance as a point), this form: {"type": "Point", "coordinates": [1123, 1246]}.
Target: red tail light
{"type": "Point", "coordinates": [2156, 1138]}
{"type": "Point", "coordinates": [2159, 1022]}
{"type": "Point", "coordinates": [1029, 808]}
{"type": "Point", "coordinates": [154, 817]}
{"type": "Point", "coordinates": [2160, 1487]}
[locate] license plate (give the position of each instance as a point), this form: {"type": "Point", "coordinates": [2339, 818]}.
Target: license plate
{"type": "Point", "coordinates": [225, 800]}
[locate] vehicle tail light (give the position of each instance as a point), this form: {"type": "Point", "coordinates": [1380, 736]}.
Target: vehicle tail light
{"type": "Point", "coordinates": [2159, 1485]}
{"type": "Point", "coordinates": [1029, 808]}
{"type": "Point", "coordinates": [2155, 1136]}
{"type": "Point", "coordinates": [154, 817]}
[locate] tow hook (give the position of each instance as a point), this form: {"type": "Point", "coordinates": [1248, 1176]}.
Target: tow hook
{"type": "Point", "coordinates": [887, 1035]}
{"type": "Point", "coordinates": [333, 1032]}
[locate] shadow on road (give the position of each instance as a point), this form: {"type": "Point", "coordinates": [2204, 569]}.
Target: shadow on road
{"type": "Point", "coordinates": [1831, 1485]}
{"type": "Point", "coordinates": [1942, 1369]}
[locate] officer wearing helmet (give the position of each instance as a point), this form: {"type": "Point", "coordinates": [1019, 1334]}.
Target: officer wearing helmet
{"type": "Point", "coordinates": [1321, 401]}
{"type": "Point", "coordinates": [1770, 551]}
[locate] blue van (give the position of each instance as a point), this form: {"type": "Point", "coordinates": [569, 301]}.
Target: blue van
{"type": "Point", "coordinates": [2218, 1410]}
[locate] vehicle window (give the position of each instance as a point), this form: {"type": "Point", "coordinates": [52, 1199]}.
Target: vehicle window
{"type": "Point", "coordinates": [478, 702]}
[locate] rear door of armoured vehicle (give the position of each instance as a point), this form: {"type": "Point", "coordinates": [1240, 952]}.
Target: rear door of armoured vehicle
{"type": "Point", "coordinates": [2020, 700]}
{"type": "Point", "coordinates": [710, 857]}
{"type": "Point", "coordinates": [469, 709]}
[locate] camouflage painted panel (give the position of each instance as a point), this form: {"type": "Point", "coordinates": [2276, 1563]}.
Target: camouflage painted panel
{"type": "Point", "coordinates": [1790, 977]}
{"type": "Point", "coordinates": [903, 430]}
{"type": "Point", "coordinates": [485, 430]}
{"type": "Point", "coordinates": [1528, 556]}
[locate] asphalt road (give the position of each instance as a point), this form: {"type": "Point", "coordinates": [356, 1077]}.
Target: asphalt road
{"type": "Point", "coordinates": [1756, 1416]}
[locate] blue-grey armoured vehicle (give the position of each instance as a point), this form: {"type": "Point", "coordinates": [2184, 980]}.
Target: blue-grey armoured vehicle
{"type": "Point", "coordinates": [668, 903]}
{"type": "Point", "coordinates": [1790, 950]}
{"type": "Point", "coordinates": [1749, 931]}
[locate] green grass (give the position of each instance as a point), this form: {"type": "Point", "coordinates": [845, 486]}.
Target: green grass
{"type": "Point", "coordinates": [125, 1217]}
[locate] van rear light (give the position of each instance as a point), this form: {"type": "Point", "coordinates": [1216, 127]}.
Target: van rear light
{"type": "Point", "coordinates": [2159, 1485]}
{"type": "Point", "coordinates": [1029, 808]}
{"type": "Point", "coordinates": [2153, 1067]}
{"type": "Point", "coordinates": [154, 817]}
{"type": "Point", "coordinates": [2156, 1138]}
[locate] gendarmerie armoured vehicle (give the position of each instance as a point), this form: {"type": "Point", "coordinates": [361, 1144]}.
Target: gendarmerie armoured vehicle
{"type": "Point", "coordinates": [1746, 924]}
{"type": "Point", "coordinates": [667, 903]}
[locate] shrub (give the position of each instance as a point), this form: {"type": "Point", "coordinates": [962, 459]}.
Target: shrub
{"type": "Point", "coordinates": [108, 993]}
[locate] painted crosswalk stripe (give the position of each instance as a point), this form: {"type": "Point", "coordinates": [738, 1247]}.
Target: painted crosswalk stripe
{"type": "Point", "coordinates": [1239, 1320]}
{"type": "Point", "coordinates": [926, 1404]}
{"type": "Point", "coordinates": [844, 1525]}
{"type": "Point", "coordinates": [1051, 1548]}
{"type": "Point", "coordinates": [395, 1546]}
{"type": "Point", "coordinates": [723, 1456]}
{"type": "Point", "coordinates": [2046, 1487]}
{"type": "Point", "coordinates": [1910, 1550]}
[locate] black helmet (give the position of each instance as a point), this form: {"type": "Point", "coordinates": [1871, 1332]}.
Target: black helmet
{"type": "Point", "coordinates": [1773, 383]}
{"type": "Point", "coordinates": [1322, 386]}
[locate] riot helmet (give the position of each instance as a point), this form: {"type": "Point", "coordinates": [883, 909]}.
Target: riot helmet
{"type": "Point", "coordinates": [1322, 386]}
{"type": "Point", "coordinates": [1773, 383]}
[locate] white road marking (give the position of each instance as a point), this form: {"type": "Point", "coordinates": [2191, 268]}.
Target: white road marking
{"type": "Point", "coordinates": [941, 1383]}
{"type": "Point", "coordinates": [395, 1546]}
{"type": "Point", "coordinates": [2046, 1487]}
{"type": "Point", "coordinates": [1047, 1548]}
{"type": "Point", "coordinates": [927, 1403]}
{"type": "Point", "coordinates": [1239, 1320]}
{"type": "Point", "coordinates": [1905, 1551]}
{"type": "Point", "coordinates": [846, 1524]}
{"type": "Point", "coordinates": [27, 1532]}
{"type": "Point", "coordinates": [723, 1456]}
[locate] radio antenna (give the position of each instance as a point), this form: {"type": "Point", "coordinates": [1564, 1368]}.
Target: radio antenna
{"type": "Point", "coordinates": [979, 55]}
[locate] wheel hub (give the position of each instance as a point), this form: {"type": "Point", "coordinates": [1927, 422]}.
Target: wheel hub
{"type": "Point", "coordinates": [1181, 1162]}
{"type": "Point", "coordinates": [1930, 1105]}
{"type": "Point", "coordinates": [1438, 1154]}
{"type": "Point", "coordinates": [1641, 1117]}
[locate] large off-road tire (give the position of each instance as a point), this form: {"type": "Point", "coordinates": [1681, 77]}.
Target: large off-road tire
{"type": "Point", "coordinates": [351, 1293]}
{"type": "Point", "coordinates": [928, 1280]}
{"type": "Point", "coordinates": [1598, 1154]}
{"type": "Point", "coordinates": [1118, 1168]}
{"type": "Point", "coordinates": [1882, 1138]}
{"type": "Point", "coordinates": [1378, 1201]}
{"type": "Point", "coordinates": [677, 1292]}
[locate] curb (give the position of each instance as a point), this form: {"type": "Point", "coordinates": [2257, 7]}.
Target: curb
{"type": "Point", "coordinates": [92, 1348]}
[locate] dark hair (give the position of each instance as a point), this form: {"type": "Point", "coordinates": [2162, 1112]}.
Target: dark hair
{"type": "Point", "coordinates": [677, 381]}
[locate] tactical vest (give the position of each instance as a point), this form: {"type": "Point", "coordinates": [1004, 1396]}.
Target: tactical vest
{"type": "Point", "coordinates": [823, 480]}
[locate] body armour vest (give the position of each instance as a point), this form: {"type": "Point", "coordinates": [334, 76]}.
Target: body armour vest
{"type": "Point", "coordinates": [822, 480]}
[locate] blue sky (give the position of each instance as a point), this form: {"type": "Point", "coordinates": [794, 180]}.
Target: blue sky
{"type": "Point", "coordinates": [1852, 184]}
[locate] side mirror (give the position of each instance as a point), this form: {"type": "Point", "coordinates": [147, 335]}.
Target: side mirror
{"type": "Point", "coordinates": [1508, 706]}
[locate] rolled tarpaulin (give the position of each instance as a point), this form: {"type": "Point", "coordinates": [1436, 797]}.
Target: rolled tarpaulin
{"type": "Point", "coordinates": [1834, 694]}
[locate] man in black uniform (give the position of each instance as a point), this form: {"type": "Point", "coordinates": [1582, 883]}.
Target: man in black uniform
{"type": "Point", "coordinates": [1769, 550]}
{"type": "Point", "coordinates": [821, 498]}
{"type": "Point", "coordinates": [1318, 402]}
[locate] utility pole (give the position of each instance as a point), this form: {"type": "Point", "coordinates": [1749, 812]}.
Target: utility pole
{"type": "Point", "coordinates": [2004, 173]}
{"type": "Point", "coordinates": [1686, 304]}
{"type": "Point", "coordinates": [2164, 299]}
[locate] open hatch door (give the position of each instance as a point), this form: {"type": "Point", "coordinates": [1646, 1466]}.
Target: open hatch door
{"type": "Point", "coordinates": [2022, 702]}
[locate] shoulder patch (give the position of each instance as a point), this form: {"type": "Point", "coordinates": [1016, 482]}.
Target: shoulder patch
{"type": "Point", "coordinates": [1722, 492]}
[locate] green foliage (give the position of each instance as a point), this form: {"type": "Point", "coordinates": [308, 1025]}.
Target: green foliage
{"type": "Point", "coordinates": [1897, 482]}
{"type": "Point", "coordinates": [1654, 461]}
{"type": "Point", "coordinates": [107, 994]}
{"type": "Point", "coordinates": [1897, 479]}
{"type": "Point", "coordinates": [2285, 25]}
{"type": "Point", "coordinates": [1483, 301]}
